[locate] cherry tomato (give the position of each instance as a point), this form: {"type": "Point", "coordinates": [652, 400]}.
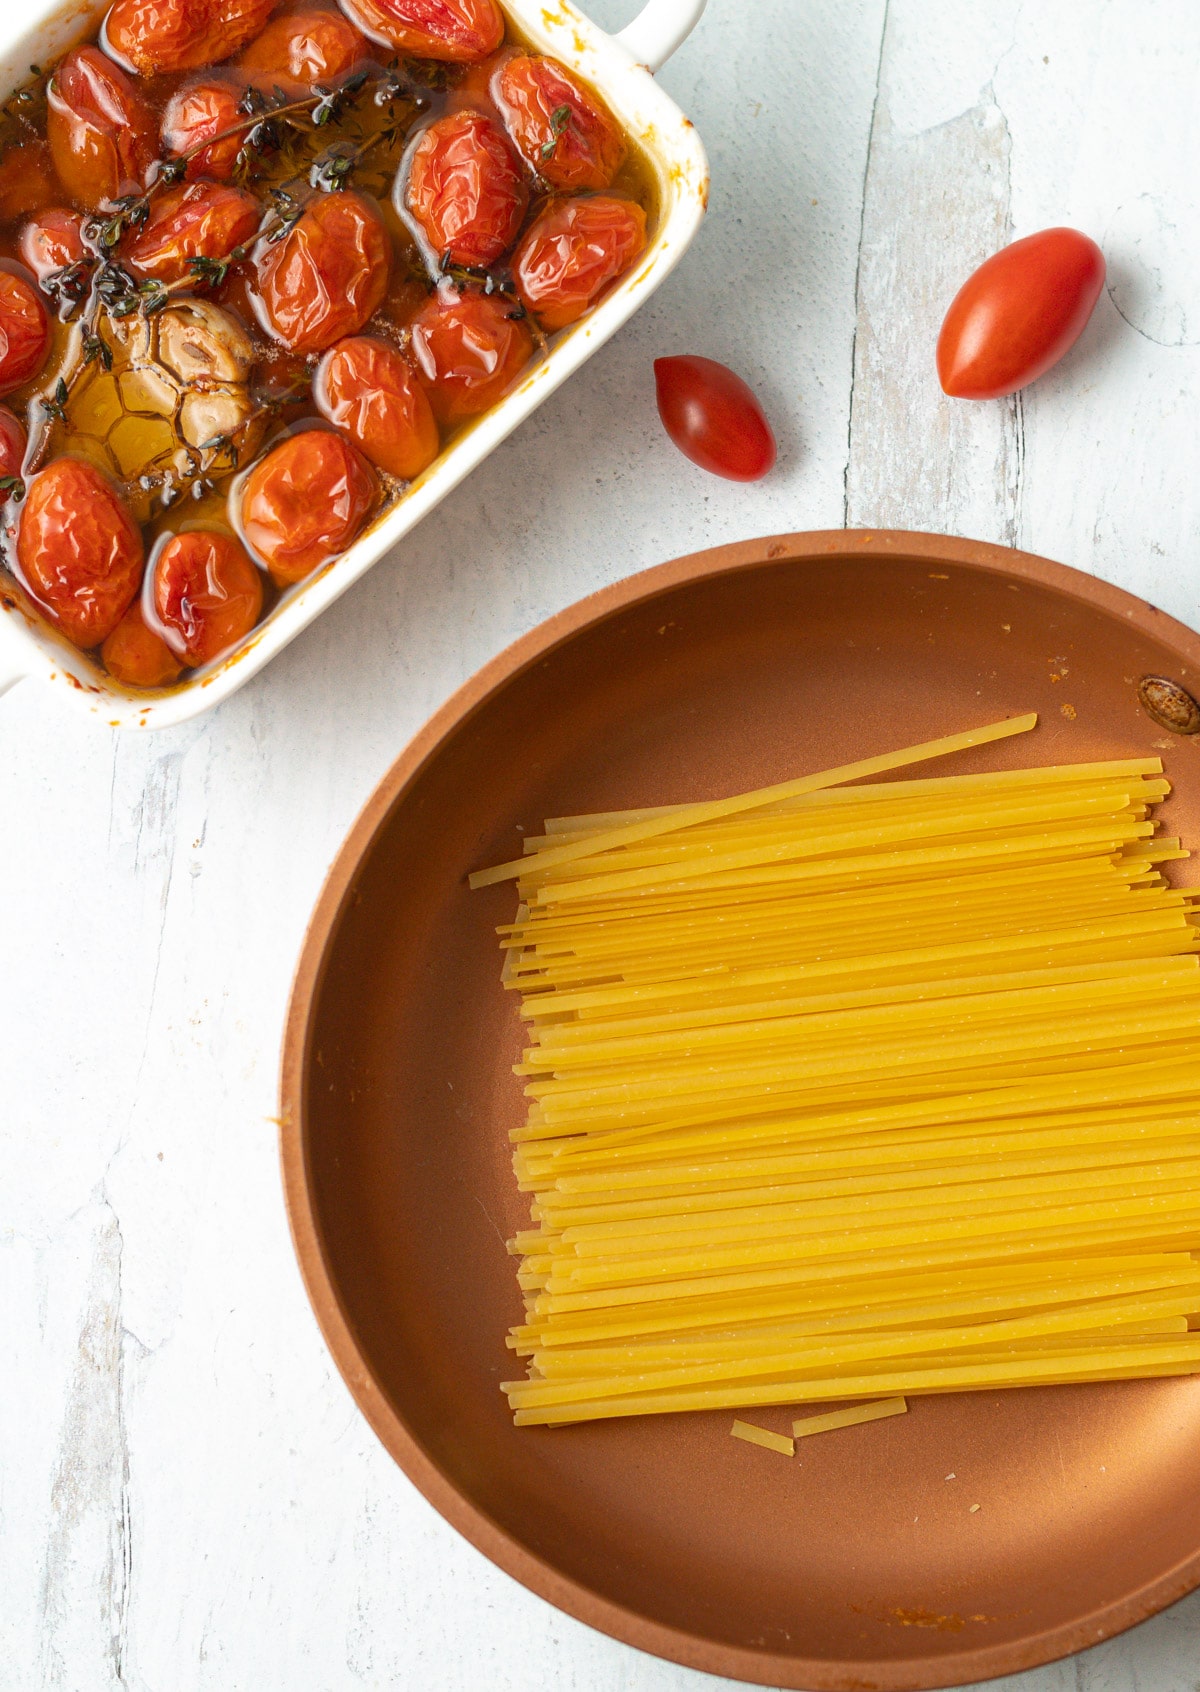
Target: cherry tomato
{"type": "Point", "coordinates": [12, 445]}
{"type": "Point", "coordinates": [303, 48]}
{"type": "Point", "coordinates": [192, 220]}
{"type": "Point", "coordinates": [571, 253]}
{"type": "Point", "coordinates": [305, 502]}
{"type": "Point", "coordinates": [79, 550]}
{"type": "Point", "coordinates": [24, 331]}
{"type": "Point", "coordinates": [465, 188]}
{"type": "Point", "coordinates": [366, 389]}
{"type": "Point", "coordinates": [179, 35]}
{"type": "Point", "coordinates": [52, 241]}
{"type": "Point", "coordinates": [714, 418]}
{"type": "Point", "coordinates": [327, 276]}
{"type": "Point", "coordinates": [206, 594]}
{"type": "Point", "coordinates": [559, 127]}
{"type": "Point", "coordinates": [457, 31]}
{"type": "Point", "coordinates": [26, 181]}
{"type": "Point", "coordinates": [137, 657]}
{"type": "Point", "coordinates": [199, 113]}
{"type": "Point", "coordinates": [470, 348]}
{"type": "Point", "coordinates": [1018, 314]}
{"type": "Point", "coordinates": [102, 133]}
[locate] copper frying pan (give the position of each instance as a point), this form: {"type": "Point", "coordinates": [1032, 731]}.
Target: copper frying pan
{"type": "Point", "coordinates": [860, 1564]}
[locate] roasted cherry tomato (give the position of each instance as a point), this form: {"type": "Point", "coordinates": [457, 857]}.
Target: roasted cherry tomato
{"type": "Point", "coordinates": [303, 48]}
{"type": "Point", "coordinates": [52, 241]}
{"type": "Point", "coordinates": [367, 390]}
{"type": "Point", "coordinates": [199, 113]}
{"type": "Point", "coordinates": [205, 594]}
{"type": "Point", "coordinates": [470, 348]}
{"type": "Point", "coordinates": [559, 127]}
{"type": "Point", "coordinates": [102, 133]}
{"type": "Point", "coordinates": [1019, 313]}
{"type": "Point", "coordinates": [305, 502]}
{"type": "Point", "coordinates": [465, 188]}
{"type": "Point", "coordinates": [12, 446]}
{"type": "Point", "coordinates": [193, 220]}
{"type": "Point", "coordinates": [714, 418]}
{"type": "Point", "coordinates": [137, 657]}
{"type": "Point", "coordinates": [79, 550]}
{"type": "Point", "coordinates": [26, 181]}
{"type": "Point", "coordinates": [571, 253]}
{"type": "Point", "coordinates": [328, 274]}
{"type": "Point", "coordinates": [180, 35]}
{"type": "Point", "coordinates": [457, 31]}
{"type": "Point", "coordinates": [24, 331]}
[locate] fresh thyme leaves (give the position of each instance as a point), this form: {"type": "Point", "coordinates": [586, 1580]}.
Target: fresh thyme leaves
{"type": "Point", "coordinates": [153, 295]}
{"type": "Point", "coordinates": [475, 276]}
{"type": "Point", "coordinates": [116, 290]}
{"type": "Point", "coordinates": [287, 209]}
{"type": "Point", "coordinates": [57, 407]}
{"type": "Point", "coordinates": [332, 172]}
{"type": "Point", "coordinates": [333, 101]}
{"type": "Point", "coordinates": [95, 349]}
{"type": "Point", "coordinates": [69, 286]}
{"type": "Point", "coordinates": [559, 120]}
{"type": "Point", "coordinates": [211, 272]}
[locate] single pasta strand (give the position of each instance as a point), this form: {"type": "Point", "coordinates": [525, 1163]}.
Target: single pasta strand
{"type": "Point", "coordinates": [706, 812]}
{"type": "Point", "coordinates": [850, 1418]}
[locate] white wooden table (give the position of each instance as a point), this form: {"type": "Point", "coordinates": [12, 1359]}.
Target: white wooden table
{"type": "Point", "coordinates": [189, 1500]}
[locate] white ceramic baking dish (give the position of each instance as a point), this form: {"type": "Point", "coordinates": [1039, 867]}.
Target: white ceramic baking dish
{"type": "Point", "coordinates": [621, 68]}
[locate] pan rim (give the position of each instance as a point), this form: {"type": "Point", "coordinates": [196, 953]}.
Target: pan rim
{"type": "Point", "coordinates": [482, 1531]}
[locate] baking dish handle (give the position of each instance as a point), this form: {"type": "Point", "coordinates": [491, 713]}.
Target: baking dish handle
{"type": "Point", "coordinates": [659, 28]}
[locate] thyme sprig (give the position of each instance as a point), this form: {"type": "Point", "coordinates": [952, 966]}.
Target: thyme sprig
{"type": "Point", "coordinates": [478, 276]}
{"type": "Point", "coordinates": [560, 120]}
{"type": "Point", "coordinates": [259, 128]}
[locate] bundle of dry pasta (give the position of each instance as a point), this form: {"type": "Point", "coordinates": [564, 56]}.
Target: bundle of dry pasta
{"type": "Point", "coordinates": [840, 1091]}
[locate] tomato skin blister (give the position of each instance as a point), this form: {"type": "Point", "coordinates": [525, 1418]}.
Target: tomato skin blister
{"type": "Point", "coordinates": [80, 552]}
{"type": "Point", "coordinates": [367, 390]}
{"type": "Point", "coordinates": [561, 129]}
{"type": "Point", "coordinates": [300, 49]}
{"type": "Point", "coordinates": [52, 240]}
{"type": "Point", "coordinates": [327, 276]}
{"type": "Point", "coordinates": [136, 656]}
{"type": "Point", "coordinates": [102, 133]}
{"type": "Point", "coordinates": [465, 189]}
{"type": "Point", "coordinates": [204, 111]}
{"type": "Point", "coordinates": [205, 594]}
{"type": "Point", "coordinates": [470, 349]}
{"type": "Point", "coordinates": [453, 31]}
{"type": "Point", "coordinates": [157, 36]}
{"type": "Point", "coordinates": [571, 254]}
{"type": "Point", "coordinates": [194, 220]}
{"type": "Point", "coordinates": [305, 502]}
{"type": "Point", "coordinates": [24, 331]}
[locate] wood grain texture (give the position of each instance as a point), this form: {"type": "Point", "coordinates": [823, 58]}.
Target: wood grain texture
{"type": "Point", "coordinates": [188, 1500]}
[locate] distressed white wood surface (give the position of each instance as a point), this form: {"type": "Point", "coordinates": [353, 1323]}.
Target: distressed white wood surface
{"type": "Point", "coordinates": [188, 1500]}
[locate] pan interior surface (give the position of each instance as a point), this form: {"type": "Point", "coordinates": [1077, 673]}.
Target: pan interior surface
{"type": "Point", "coordinates": [863, 1561]}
